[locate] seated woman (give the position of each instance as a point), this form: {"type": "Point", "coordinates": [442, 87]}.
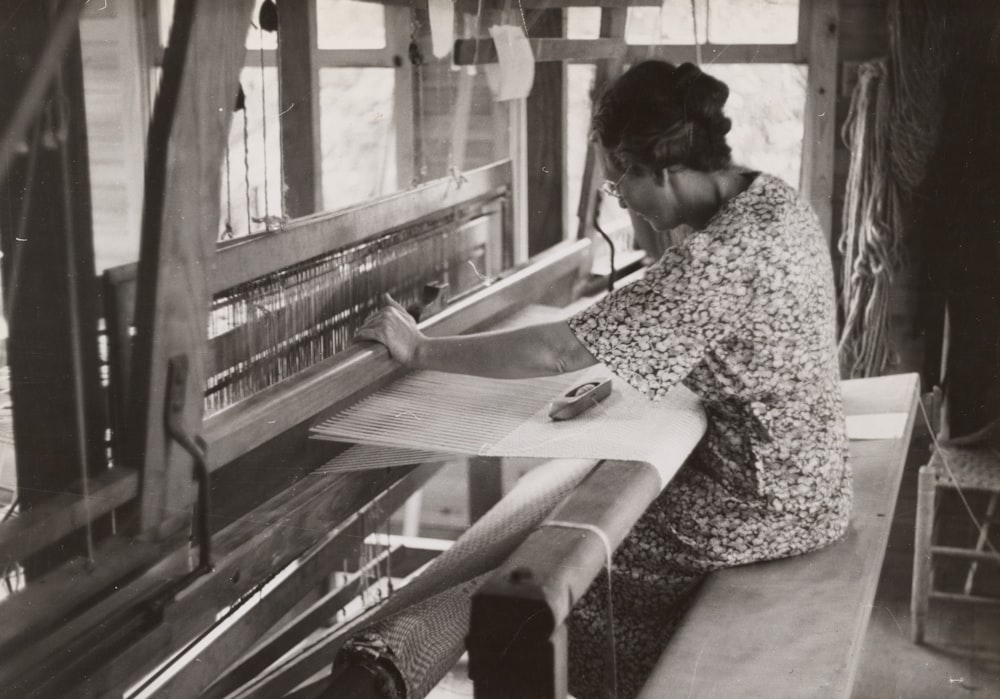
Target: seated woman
{"type": "Point", "coordinates": [742, 313]}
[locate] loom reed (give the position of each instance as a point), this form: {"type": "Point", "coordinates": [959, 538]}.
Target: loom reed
{"type": "Point", "coordinates": [270, 328]}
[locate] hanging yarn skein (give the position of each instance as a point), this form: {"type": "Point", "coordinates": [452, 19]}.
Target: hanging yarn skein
{"type": "Point", "coordinates": [890, 130]}
{"type": "Point", "coordinates": [870, 221]}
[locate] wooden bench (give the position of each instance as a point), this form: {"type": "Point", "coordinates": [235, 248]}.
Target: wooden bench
{"type": "Point", "coordinates": [793, 628]}
{"type": "Point", "coordinates": [789, 628]}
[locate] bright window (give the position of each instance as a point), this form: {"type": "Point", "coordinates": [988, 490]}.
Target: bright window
{"type": "Point", "coordinates": [718, 21]}
{"type": "Point", "coordinates": [357, 134]}
{"type": "Point", "coordinates": [350, 24]}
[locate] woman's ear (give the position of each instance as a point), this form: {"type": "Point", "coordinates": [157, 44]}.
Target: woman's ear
{"type": "Point", "coordinates": [653, 243]}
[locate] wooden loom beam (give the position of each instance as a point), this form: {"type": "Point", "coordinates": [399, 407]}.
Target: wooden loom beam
{"type": "Point", "coordinates": [187, 139]}
{"type": "Point", "coordinates": [250, 551]}
{"type": "Point", "coordinates": [325, 557]}
{"type": "Point", "coordinates": [248, 258]}
{"type": "Point", "coordinates": [546, 139]}
{"type": "Point", "coordinates": [613, 22]}
{"type": "Point", "coordinates": [479, 51]}
{"type": "Point", "coordinates": [298, 84]}
{"type": "Point", "coordinates": [517, 642]}
{"type": "Point", "coordinates": [65, 513]}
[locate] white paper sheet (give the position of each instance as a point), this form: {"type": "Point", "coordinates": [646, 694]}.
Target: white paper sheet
{"type": "Point", "coordinates": [514, 73]}
{"type": "Point", "coordinates": [442, 18]}
{"type": "Point", "coordinates": [876, 426]}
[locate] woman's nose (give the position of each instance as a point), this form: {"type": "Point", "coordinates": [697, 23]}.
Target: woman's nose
{"type": "Point", "coordinates": [622, 203]}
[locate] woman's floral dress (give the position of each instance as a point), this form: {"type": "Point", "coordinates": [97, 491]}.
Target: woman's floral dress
{"type": "Point", "coordinates": [743, 315]}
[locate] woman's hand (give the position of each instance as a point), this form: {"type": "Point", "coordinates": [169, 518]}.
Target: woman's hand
{"type": "Point", "coordinates": [393, 327]}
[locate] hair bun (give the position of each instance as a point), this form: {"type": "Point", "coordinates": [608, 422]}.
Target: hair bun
{"type": "Point", "coordinates": [702, 95]}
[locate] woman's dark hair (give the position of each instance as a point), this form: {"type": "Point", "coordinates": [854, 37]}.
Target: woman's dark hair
{"type": "Point", "coordinates": [658, 115]}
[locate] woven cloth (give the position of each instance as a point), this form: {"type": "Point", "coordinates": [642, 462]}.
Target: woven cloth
{"type": "Point", "coordinates": [423, 625]}
{"type": "Point", "coordinates": [421, 630]}
{"type": "Point", "coordinates": [433, 413]}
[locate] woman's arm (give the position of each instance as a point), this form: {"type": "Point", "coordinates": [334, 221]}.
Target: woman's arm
{"type": "Point", "coordinates": [537, 350]}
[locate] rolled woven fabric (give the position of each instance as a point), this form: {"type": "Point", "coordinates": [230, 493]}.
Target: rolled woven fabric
{"type": "Point", "coordinates": [421, 629]}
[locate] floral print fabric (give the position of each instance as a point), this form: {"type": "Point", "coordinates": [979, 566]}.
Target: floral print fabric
{"type": "Point", "coordinates": [743, 314]}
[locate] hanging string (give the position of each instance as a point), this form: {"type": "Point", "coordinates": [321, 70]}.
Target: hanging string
{"type": "Point", "coordinates": [694, 25]}
{"type": "Point", "coordinates": [263, 126]}
{"type": "Point", "coordinates": [241, 105]}
{"type": "Point", "coordinates": [227, 231]}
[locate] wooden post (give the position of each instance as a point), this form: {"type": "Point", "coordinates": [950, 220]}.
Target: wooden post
{"type": "Point", "coordinates": [546, 111]}
{"type": "Point", "coordinates": [397, 40]}
{"type": "Point", "coordinates": [613, 26]}
{"type": "Point", "coordinates": [49, 278]}
{"type": "Point", "coordinates": [819, 133]}
{"type": "Point", "coordinates": [298, 83]}
{"type": "Point", "coordinates": [187, 140]}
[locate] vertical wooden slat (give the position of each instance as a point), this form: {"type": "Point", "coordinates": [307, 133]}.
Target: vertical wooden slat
{"type": "Point", "coordinates": [48, 273]}
{"type": "Point", "coordinates": [397, 41]}
{"type": "Point", "coordinates": [298, 82]}
{"type": "Point", "coordinates": [819, 137]}
{"type": "Point", "coordinates": [546, 117]}
{"type": "Point", "coordinates": [187, 140]}
{"type": "Point", "coordinates": [805, 29]}
{"type": "Point", "coordinates": [612, 26]}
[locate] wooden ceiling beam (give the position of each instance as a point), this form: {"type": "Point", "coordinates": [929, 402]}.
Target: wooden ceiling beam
{"type": "Point", "coordinates": [480, 51]}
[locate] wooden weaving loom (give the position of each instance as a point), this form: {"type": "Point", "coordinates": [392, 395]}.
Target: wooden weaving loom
{"type": "Point", "coordinates": [274, 355]}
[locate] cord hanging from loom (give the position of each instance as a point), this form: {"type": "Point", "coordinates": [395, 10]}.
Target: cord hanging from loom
{"type": "Point", "coordinates": [227, 230]}
{"type": "Point", "coordinates": [267, 20]}
{"type": "Point", "coordinates": [241, 106]}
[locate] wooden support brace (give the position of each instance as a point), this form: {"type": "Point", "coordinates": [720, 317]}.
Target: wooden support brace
{"type": "Point", "coordinates": [517, 642]}
{"type": "Point", "coordinates": [187, 140]}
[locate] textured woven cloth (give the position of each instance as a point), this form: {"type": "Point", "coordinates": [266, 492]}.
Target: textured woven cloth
{"type": "Point", "coordinates": [431, 413]}
{"type": "Point", "coordinates": [421, 628]}
{"type": "Point", "coordinates": [420, 631]}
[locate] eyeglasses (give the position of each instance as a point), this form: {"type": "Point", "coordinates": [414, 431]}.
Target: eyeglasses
{"type": "Point", "coordinates": [611, 189]}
